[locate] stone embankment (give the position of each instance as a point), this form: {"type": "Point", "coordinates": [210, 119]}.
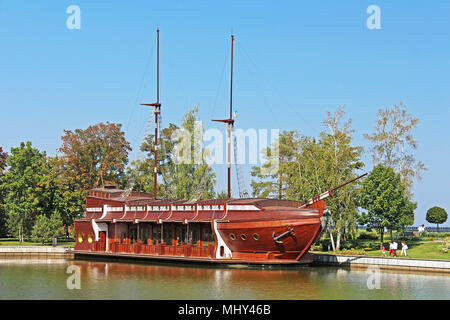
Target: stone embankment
{"type": "Point", "coordinates": [409, 264]}
{"type": "Point", "coordinates": [35, 252]}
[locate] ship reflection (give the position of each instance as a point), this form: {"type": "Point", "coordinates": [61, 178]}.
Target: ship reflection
{"type": "Point", "coordinates": [292, 283]}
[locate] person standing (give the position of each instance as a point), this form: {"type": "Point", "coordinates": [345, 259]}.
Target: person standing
{"type": "Point", "coordinates": [395, 246]}
{"type": "Point", "coordinates": [404, 248]}
{"type": "Point", "coordinates": [383, 251]}
{"type": "Point", "coordinates": [391, 249]}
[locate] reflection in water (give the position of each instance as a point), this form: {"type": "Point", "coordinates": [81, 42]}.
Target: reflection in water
{"type": "Point", "coordinates": [113, 280]}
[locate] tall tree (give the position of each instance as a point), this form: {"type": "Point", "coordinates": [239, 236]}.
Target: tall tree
{"type": "Point", "coordinates": [393, 143]}
{"type": "Point", "coordinates": [184, 174]}
{"type": "Point", "coordinates": [90, 158]}
{"type": "Point", "coordinates": [23, 201]}
{"type": "Point", "coordinates": [274, 183]}
{"type": "Point", "coordinates": [311, 166]}
{"type": "Point", "coordinates": [139, 175]}
{"type": "Point", "coordinates": [193, 177]}
{"type": "Point", "coordinates": [436, 215]}
{"type": "Point", "coordinates": [385, 198]}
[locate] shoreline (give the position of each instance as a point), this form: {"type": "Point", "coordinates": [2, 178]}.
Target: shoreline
{"type": "Point", "coordinates": [318, 259]}
{"type": "Point", "coordinates": [353, 261]}
{"type": "Point", "coordinates": [43, 252]}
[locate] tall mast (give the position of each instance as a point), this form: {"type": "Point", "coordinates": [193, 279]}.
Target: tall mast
{"type": "Point", "coordinates": [157, 110]}
{"type": "Point", "coordinates": [230, 123]}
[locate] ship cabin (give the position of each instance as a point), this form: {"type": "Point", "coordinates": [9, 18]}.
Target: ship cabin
{"type": "Point", "coordinates": [142, 225]}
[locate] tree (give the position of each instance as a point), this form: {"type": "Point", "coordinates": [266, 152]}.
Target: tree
{"type": "Point", "coordinates": [275, 184]}
{"type": "Point", "coordinates": [393, 144]}
{"type": "Point", "coordinates": [309, 166]}
{"type": "Point", "coordinates": [41, 230]}
{"type": "Point", "coordinates": [3, 157]}
{"type": "Point", "coordinates": [181, 163]}
{"type": "Point", "coordinates": [3, 228]}
{"type": "Point", "coordinates": [384, 197]}
{"type": "Point", "coordinates": [193, 178]}
{"type": "Point", "coordinates": [23, 201]}
{"type": "Point", "coordinates": [436, 215]}
{"type": "Point", "coordinates": [89, 158]}
{"type": "Point", "coordinates": [140, 174]}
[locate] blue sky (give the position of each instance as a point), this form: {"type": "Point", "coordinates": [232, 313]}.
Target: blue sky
{"type": "Point", "coordinates": [294, 61]}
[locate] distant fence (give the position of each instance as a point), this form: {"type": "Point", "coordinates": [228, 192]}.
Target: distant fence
{"type": "Point", "coordinates": [415, 229]}
{"type": "Point", "coordinates": [430, 229]}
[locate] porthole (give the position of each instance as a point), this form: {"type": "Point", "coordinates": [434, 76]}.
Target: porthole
{"type": "Point", "coordinates": [232, 236]}
{"type": "Point", "coordinates": [256, 236]}
{"type": "Point", "coordinates": [243, 237]}
{"type": "Point", "coordinates": [80, 237]}
{"type": "Point", "coordinates": [90, 238]}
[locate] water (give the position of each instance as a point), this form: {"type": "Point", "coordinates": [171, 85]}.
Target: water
{"type": "Point", "coordinates": [47, 279]}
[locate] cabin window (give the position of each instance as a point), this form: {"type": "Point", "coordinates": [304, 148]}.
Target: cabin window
{"type": "Point", "coordinates": [232, 236]}
{"type": "Point", "coordinates": [207, 236]}
{"type": "Point", "coordinates": [193, 235]}
{"type": "Point", "coordinates": [90, 237]}
{"type": "Point", "coordinates": [256, 236]}
{"type": "Point", "coordinates": [133, 234]}
{"type": "Point", "coordinates": [156, 235]}
{"type": "Point", "coordinates": [180, 231]}
{"type": "Point", "coordinates": [80, 237]}
{"type": "Point", "coordinates": [143, 233]}
{"type": "Point", "coordinates": [222, 251]}
{"type": "Point", "coordinates": [243, 237]}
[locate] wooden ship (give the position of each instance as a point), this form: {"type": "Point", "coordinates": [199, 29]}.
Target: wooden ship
{"type": "Point", "coordinates": [129, 224]}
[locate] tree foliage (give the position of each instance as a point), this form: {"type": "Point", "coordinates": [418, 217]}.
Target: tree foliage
{"type": "Point", "coordinates": [436, 215]}
{"type": "Point", "coordinates": [309, 166]}
{"type": "Point", "coordinates": [20, 184]}
{"type": "Point", "coordinates": [3, 217]}
{"type": "Point", "coordinates": [94, 155]}
{"type": "Point", "coordinates": [385, 198]}
{"type": "Point", "coordinates": [45, 229]}
{"type": "Point", "coordinates": [89, 159]}
{"type": "Point", "coordinates": [183, 173]}
{"type": "Point", "coordinates": [393, 143]}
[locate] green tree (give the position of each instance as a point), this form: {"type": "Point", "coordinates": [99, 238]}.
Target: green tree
{"type": "Point", "coordinates": [384, 197]}
{"type": "Point", "coordinates": [3, 217]}
{"type": "Point", "coordinates": [182, 173]}
{"type": "Point", "coordinates": [193, 178]}
{"type": "Point", "coordinates": [140, 174]}
{"type": "Point", "coordinates": [23, 201]}
{"type": "Point", "coordinates": [436, 215]}
{"type": "Point", "coordinates": [274, 183]}
{"type": "Point", "coordinates": [309, 166]}
{"type": "Point", "coordinates": [41, 230]}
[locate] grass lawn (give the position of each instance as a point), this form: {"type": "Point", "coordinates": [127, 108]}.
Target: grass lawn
{"type": "Point", "coordinates": [418, 250]}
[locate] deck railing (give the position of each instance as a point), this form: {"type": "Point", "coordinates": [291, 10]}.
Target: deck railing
{"type": "Point", "coordinates": [186, 250]}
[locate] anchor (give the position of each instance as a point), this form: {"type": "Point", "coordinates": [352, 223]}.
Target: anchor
{"type": "Point", "coordinates": [281, 236]}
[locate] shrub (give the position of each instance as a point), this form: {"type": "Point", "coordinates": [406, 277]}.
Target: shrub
{"type": "Point", "coordinates": [368, 235]}
{"type": "Point", "coordinates": [352, 252]}
{"type": "Point", "coordinates": [445, 245]}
